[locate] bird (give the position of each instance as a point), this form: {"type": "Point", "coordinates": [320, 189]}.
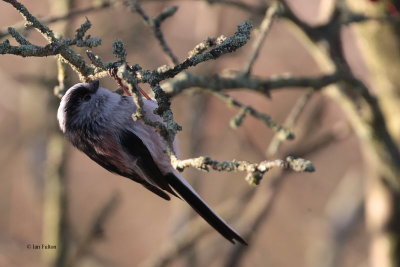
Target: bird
{"type": "Point", "coordinates": [99, 123]}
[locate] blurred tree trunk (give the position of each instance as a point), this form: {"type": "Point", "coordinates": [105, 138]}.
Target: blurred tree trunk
{"type": "Point", "coordinates": [55, 230]}
{"type": "Point", "coordinates": [373, 117]}
{"type": "Point", "coordinates": [380, 46]}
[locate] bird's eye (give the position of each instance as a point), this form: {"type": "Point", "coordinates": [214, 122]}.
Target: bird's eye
{"type": "Point", "coordinates": [86, 97]}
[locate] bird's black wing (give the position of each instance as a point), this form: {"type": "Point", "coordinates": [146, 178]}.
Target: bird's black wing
{"type": "Point", "coordinates": [137, 149]}
{"type": "Point", "coordinates": [145, 164]}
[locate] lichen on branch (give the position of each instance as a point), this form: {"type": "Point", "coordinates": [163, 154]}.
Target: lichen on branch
{"type": "Point", "coordinates": [179, 79]}
{"type": "Point", "coordinates": [255, 171]}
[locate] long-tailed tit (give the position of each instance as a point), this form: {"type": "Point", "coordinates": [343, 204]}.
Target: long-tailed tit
{"type": "Point", "coordinates": [99, 123]}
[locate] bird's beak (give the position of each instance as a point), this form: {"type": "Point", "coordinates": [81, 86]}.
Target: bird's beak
{"type": "Point", "coordinates": [94, 86]}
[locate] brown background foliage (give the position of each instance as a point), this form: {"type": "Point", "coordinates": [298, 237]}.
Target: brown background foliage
{"type": "Point", "coordinates": [294, 230]}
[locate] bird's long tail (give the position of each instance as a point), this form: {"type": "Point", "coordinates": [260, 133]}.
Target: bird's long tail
{"type": "Point", "coordinates": [194, 200]}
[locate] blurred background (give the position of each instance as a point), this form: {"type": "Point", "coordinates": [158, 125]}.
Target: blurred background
{"type": "Point", "coordinates": [290, 219]}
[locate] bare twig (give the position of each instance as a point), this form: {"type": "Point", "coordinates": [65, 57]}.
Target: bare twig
{"type": "Point", "coordinates": [229, 45]}
{"type": "Point", "coordinates": [369, 123]}
{"type": "Point", "coordinates": [284, 133]}
{"type": "Point", "coordinates": [168, 132]}
{"type": "Point", "coordinates": [262, 33]}
{"type": "Point", "coordinates": [255, 171]}
{"type": "Point", "coordinates": [290, 121]}
{"type": "Point", "coordinates": [56, 47]}
{"type": "Point", "coordinates": [21, 27]}
{"type": "Point", "coordinates": [241, 5]}
{"type": "Point", "coordinates": [217, 83]}
{"type": "Point", "coordinates": [128, 75]}
{"type": "Point", "coordinates": [32, 21]}
{"type": "Point", "coordinates": [348, 18]}
{"type": "Point", "coordinates": [155, 25]}
{"type": "Point", "coordinates": [60, 89]}
{"type": "Point", "coordinates": [206, 44]}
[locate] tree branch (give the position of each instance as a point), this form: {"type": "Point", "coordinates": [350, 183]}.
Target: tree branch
{"type": "Point", "coordinates": [255, 171]}
{"type": "Point", "coordinates": [155, 25]}
{"type": "Point", "coordinates": [218, 83]}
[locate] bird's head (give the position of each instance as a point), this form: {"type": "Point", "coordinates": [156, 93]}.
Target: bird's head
{"type": "Point", "coordinates": [81, 102]}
